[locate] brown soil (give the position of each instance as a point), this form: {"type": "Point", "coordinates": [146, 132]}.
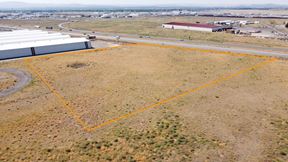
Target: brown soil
{"type": "Point", "coordinates": [242, 119]}
{"type": "Point", "coordinates": [7, 81]}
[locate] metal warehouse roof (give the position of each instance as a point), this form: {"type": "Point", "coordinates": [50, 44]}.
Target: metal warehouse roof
{"type": "Point", "coordinates": [193, 25]}
{"type": "Point", "coordinates": [22, 40]}
{"type": "Point", "coordinates": [42, 43]}
{"type": "Point", "coordinates": [19, 39]}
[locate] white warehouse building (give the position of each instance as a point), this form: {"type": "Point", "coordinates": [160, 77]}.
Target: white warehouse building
{"type": "Point", "coordinates": [24, 43]}
{"type": "Point", "coordinates": [194, 27]}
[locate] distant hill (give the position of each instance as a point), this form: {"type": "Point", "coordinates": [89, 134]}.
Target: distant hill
{"type": "Point", "coordinates": [21, 5]}
{"type": "Point", "coordinates": [14, 5]}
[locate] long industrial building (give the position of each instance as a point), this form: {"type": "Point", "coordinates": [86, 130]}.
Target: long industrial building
{"type": "Point", "coordinates": [25, 43]}
{"type": "Point", "coordinates": [194, 27]}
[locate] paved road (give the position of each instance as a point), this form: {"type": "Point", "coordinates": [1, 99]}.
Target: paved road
{"type": "Point", "coordinates": [136, 39]}
{"type": "Point", "coordinates": [23, 79]}
{"type": "Point", "coordinates": [247, 51]}
{"type": "Point", "coordinates": [167, 41]}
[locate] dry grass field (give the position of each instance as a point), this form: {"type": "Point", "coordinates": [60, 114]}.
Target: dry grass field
{"type": "Point", "coordinates": [152, 26]}
{"type": "Point", "coordinates": [31, 23]}
{"type": "Point", "coordinates": [166, 104]}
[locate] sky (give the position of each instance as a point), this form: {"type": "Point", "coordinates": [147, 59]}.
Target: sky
{"type": "Point", "coordinates": [155, 2]}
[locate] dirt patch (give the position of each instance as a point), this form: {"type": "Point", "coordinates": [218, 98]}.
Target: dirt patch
{"type": "Point", "coordinates": [77, 65]}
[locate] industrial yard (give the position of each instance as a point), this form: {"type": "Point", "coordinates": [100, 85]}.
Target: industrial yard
{"type": "Point", "coordinates": [144, 102]}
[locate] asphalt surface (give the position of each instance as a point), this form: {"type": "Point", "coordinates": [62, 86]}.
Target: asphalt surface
{"type": "Point", "coordinates": [136, 39]}
{"type": "Point", "coordinates": [208, 47]}
{"type": "Point", "coordinates": [23, 79]}
{"type": "Point", "coordinates": [130, 38]}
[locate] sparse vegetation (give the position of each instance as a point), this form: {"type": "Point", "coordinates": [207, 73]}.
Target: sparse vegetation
{"type": "Point", "coordinates": [163, 141]}
{"type": "Point", "coordinates": [227, 122]}
{"type": "Point", "coordinates": [281, 152]}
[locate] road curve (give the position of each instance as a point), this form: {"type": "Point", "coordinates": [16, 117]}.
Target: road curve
{"type": "Point", "coordinates": [23, 79]}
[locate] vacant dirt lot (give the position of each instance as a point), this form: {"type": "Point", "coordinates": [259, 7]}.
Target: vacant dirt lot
{"type": "Point", "coordinates": [243, 118]}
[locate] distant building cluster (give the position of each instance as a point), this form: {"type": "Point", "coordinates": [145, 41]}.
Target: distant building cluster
{"type": "Point", "coordinates": [242, 15]}
{"type": "Point", "coordinates": [237, 22]}
{"type": "Point", "coordinates": [125, 14]}
{"type": "Point", "coordinates": [238, 27]}
{"type": "Point", "coordinates": [242, 27]}
{"type": "Point", "coordinates": [97, 14]}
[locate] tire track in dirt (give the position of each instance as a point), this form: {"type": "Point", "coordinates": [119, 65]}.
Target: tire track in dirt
{"type": "Point", "coordinates": [23, 79]}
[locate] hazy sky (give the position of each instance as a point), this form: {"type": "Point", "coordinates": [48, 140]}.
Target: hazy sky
{"type": "Point", "coordinates": [155, 2]}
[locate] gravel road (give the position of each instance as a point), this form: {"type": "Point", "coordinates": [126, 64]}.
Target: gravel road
{"type": "Point", "coordinates": [23, 79]}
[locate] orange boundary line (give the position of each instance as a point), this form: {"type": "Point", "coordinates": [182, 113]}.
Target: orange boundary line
{"type": "Point", "coordinates": [198, 50]}
{"type": "Point", "coordinates": [155, 45]}
{"type": "Point", "coordinates": [62, 100]}
{"type": "Point", "coordinates": [88, 128]}
{"type": "Point", "coordinates": [206, 85]}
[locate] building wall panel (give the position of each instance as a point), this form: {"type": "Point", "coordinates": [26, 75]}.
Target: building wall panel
{"type": "Point", "coordinates": [59, 48]}
{"type": "Point", "coordinates": [29, 43]}
{"type": "Point", "coordinates": [15, 53]}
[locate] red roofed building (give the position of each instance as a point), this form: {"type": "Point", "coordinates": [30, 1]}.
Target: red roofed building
{"type": "Point", "coordinates": [195, 27]}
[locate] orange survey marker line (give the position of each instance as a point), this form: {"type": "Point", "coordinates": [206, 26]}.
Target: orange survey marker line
{"type": "Point", "coordinates": [198, 49]}
{"type": "Point", "coordinates": [72, 112]}
{"type": "Point", "coordinates": [209, 84]}
{"type": "Point", "coordinates": [62, 100]}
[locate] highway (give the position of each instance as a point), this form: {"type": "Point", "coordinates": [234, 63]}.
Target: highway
{"type": "Point", "coordinates": [130, 38]}
{"type": "Point", "coordinates": [164, 41]}
{"type": "Point", "coordinates": [208, 47]}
